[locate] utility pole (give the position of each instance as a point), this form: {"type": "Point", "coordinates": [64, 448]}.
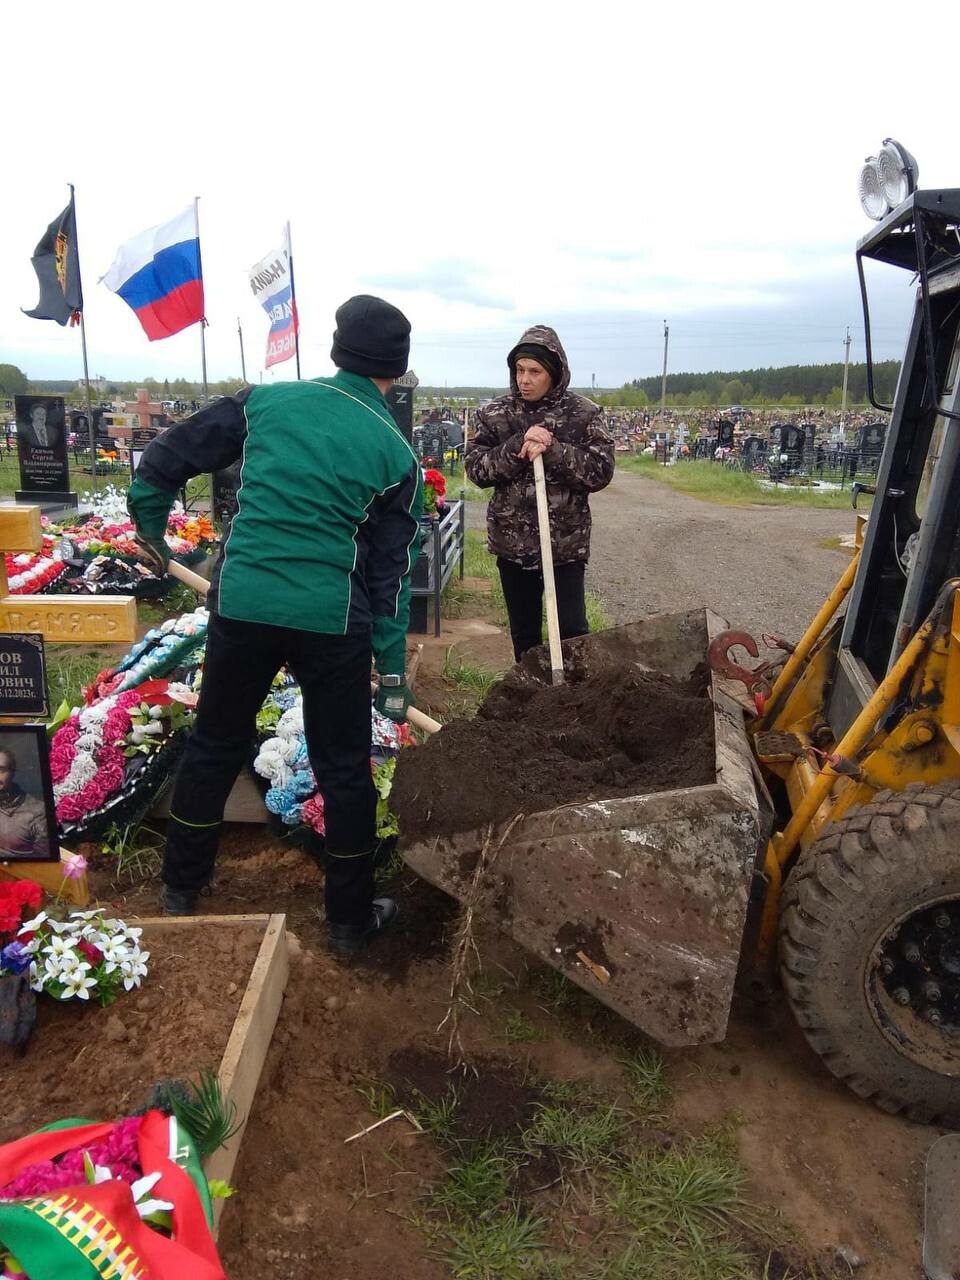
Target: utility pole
{"type": "Point", "coordinates": [663, 384]}
{"type": "Point", "coordinates": [243, 363]}
{"type": "Point", "coordinates": [846, 371]}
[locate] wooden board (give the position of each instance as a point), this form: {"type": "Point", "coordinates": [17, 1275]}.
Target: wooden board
{"type": "Point", "coordinates": [72, 619]}
{"type": "Point", "coordinates": [253, 1027]}
{"type": "Point", "coordinates": [20, 528]}
{"type": "Point", "coordinates": [49, 876]}
{"type": "Point", "coordinates": [244, 803]}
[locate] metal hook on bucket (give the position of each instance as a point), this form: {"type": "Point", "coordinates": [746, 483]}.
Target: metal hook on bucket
{"type": "Point", "coordinates": [718, 655]}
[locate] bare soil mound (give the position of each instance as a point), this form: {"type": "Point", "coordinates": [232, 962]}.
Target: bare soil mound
{"type": "Point", "coordinates": [534, 747]}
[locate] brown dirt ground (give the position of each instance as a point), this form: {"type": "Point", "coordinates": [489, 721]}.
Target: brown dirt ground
{"type": "Point", "coordinates": [83, 1060]}
{"type": "Point", "coordinates": [833, 1171]}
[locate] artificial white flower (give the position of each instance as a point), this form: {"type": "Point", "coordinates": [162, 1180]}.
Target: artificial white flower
{"type": "Point", "coordinates": [31, 926]}
{"type": "Point", "coordinates": [36, 979]}
{"type": "Point", "coordinates": [132, 973]}
{"type": "Point", "coordinates": [58, 945]}
{"type": "Point", "coordinates": [69, 926]}
{"type": "Point", "coordinates": [77, 984]}
{"type": "Point", "coordinates": [115, 952]}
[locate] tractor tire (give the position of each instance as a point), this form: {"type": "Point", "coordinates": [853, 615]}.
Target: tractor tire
{"type": "Point", "coordinates": [870, 950]}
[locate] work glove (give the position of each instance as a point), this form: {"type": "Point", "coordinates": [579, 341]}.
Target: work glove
{"type": "Point", "coordinates": [392, 701]}
{"type": "Point", "coordinates": [153, 552]}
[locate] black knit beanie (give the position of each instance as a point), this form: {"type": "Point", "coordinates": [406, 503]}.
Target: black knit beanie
{"type": "Point", "coordinates": [372, 338]}
{"type": "Point", "coordinates": [542, 355]}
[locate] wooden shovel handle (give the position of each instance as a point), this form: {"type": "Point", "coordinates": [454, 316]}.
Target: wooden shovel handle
{"type": "Point", "coordinates": [546, 565]}
{"type": "Point", "coordinates": [188, 577]}
{"type": "Point", "coordinates": [420, 720]}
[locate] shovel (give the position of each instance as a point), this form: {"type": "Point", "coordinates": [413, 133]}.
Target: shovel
{"type": "Point", "coordinates": [546, 562]}
{"type": "Point", "coordinates": [176, 570]}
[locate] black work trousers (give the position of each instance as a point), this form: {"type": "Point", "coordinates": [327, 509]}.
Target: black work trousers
{"type": "Point", "coordinates": [334, 677]}
{"type": "Point", "coordinates": [523, 593]}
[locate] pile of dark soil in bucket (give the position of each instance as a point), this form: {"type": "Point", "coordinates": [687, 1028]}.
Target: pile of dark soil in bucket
{"type": "Point", "coordinates": [534, 747]}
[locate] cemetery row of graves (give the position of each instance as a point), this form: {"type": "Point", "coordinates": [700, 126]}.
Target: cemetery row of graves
{"type": "Point", "coordinates": [142, 1189]}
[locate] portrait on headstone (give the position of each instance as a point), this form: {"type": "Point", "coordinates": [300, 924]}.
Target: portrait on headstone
{"type": "Point", "coordinates": [42, 444]}
{"type": "Point", "coordinates": [28, 821]}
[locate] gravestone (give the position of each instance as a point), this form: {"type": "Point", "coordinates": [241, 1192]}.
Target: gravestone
{"type": "Point", "coordinates": [224, 488]}
{"type": "Point", "coordinates": [77, 621]}
{"type": "Point", "coordinates": [42, 446]}
{"type": "Point", "coordinates": [400, 399]}
{"type": "Point", "coordinates": [23, 676]}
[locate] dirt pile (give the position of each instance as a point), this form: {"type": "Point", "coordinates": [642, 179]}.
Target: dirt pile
{"type": "Point", "coordinates": [533, 747]}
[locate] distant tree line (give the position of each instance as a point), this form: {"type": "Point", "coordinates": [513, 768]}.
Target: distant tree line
{"type": "Point", "coordinates": [126, 389]}
{"type": "Point", "coordinates": [796, 384]}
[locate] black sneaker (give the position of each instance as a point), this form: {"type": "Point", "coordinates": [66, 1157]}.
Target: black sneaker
{"type": "Point", "coordinates": [177, 902]}
{"type": "Point", "coordinates": [347, 939]}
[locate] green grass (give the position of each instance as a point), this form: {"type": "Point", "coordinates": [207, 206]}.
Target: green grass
{"type": "Point", "coordinates": [518, 1029]}
{"type": "Point", "coordinates": [646, 1082]}
{"type": "Point", "coordinates": [179, 599]}
{"type": "Point", "coordinates": [716, 483]}
{"type": "Point", "coordinates": [80, 481]}
{"type": "Point", "coordinates": [478, 1184]}
{"type": "Point", "coordinates": [437, 1116]}
{"type": "Point", "coordinates": [378, 1096]}
{"type": "Point", "coordinates": [505, 1246]}
{"type": "Point", "coordinates": [557, 991]}
{"type": "Point", "coordinates": [656, 1208]}
{"type": "Point", "coordinates": [583, 1137]}
{"type": "Point", "coordinates": [687, 1204]}
{"type": "Point", "coordinates": [458, 480]}
{"type": "Point", "coordinates": [69, 671]}
{"type": "Point", "coordinates": [479, 563]}
{"type": "Point", "coordinates": [137, 850]}
{"type": "Point", "coordinates": [468, 676]}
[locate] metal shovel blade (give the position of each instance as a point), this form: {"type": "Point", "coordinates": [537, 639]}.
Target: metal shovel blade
{"type": "Point", "coordinates": [941, 1212]}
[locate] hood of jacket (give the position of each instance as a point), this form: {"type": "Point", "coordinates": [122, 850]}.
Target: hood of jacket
{"type": "Point", "coordinates": [543, 336]}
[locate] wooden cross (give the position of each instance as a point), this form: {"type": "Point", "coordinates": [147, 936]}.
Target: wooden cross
{"type": "Point", "coordinates": [62, 620]}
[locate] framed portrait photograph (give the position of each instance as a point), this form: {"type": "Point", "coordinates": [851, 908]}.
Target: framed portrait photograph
{"type": "Point", "coordinates": [28, 821]}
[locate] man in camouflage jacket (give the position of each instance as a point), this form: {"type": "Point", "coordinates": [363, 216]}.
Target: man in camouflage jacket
{"type": "Point", "coordinates": [540, 416]}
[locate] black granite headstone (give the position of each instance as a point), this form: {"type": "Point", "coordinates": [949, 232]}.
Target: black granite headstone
{"type": "Point", "coordinates": [400, 400]}
{"type": "Point", "coordinates": [23, 676]}
{"type": "Point", "coordinates": [224, 491]}
{"type": "Point", "coordinates": [42, 445]}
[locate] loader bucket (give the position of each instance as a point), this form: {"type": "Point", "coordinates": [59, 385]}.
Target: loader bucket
{"type": "Point", "coordinates": [641, 900]}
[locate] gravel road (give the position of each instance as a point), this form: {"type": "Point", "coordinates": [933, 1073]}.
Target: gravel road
{"type": "Point", "coordinates": [656, 551]}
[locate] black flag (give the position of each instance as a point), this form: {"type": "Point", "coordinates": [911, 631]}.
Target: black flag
{"type": "Point", "coordinates": [57, 265]}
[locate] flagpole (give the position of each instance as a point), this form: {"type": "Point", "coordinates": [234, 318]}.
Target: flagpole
{"type": "Point", "coordinates": [293, 296]}
{"type": "Point", "coordinates": [203, 318]}
{"type": "Point", "coordinates": [243, 363]}
{"type": "Point", "coordinates": [91, 434]}
{"type": "Point", "coordinates": [86, 379]}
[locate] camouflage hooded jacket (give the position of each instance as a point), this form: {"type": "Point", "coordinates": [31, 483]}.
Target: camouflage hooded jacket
{"type": "Point", "coordinates": [578, 463]}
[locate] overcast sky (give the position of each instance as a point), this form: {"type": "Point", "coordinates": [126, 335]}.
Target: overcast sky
{"type": "Point", "coordinates": [486, 165]}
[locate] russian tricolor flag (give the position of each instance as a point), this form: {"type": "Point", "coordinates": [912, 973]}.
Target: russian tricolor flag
{"type": "Point", "coordinates": [158, 274]}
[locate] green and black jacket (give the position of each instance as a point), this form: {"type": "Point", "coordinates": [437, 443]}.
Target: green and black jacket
{"type": "Point", "coordinates": [329, 504]}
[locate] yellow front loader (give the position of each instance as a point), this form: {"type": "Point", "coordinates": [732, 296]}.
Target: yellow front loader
{"type": "Point", "coordinates": [827, 848]}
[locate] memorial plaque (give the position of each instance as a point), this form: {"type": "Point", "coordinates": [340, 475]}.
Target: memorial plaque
{"type": "Point", "coordinates": [224, 490]}
{"type": "Point", "coordinates": [60, 619]}
{"type": "Point", "coordinates": [400, 400]}
{"type": "Point", "coordinates": [141, 437]}
{"type": "Point", "coordinates": [23, 676]}
{"type": "Point", "coordinates": [42, 445]}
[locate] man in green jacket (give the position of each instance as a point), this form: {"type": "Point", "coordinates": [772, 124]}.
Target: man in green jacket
{"type": "Point", "coordinates": [314, 573]}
